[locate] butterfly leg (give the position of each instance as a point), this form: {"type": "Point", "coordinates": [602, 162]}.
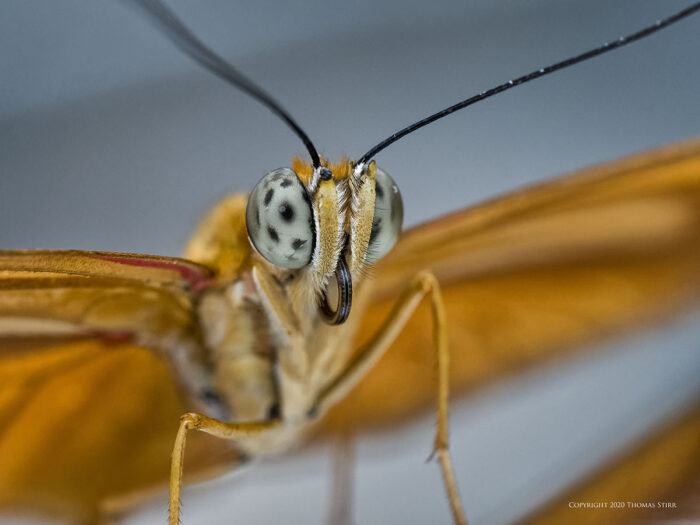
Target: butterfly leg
{"type": "Point", "coordinates": [343, 462]}
{"type": "Point", "coordinates": [220, 429]}
{"type": "Point", "coordinates": [424, 284]}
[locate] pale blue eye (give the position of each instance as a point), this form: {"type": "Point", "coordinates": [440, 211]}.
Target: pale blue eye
{"type": "Point", "coordinates": [388, 217]}
{"type": "Point", "coordinates": [280, 220]}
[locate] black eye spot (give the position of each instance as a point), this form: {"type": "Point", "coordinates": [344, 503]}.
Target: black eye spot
{"type": "Point", "coordinates": [376, 228]}
{"type": "Point", "coordinates": [268, 197]}
{"type": "Point", "coordinates": [306, 197]}
{"type": "Point", "coordinates": [286, 211]}
{"type": "Point", "coordinates": [257, 218]}
{"type": "Point", "coordinates": [298, 243]}
{"type": "Point", "coordinates": [273, 234]}
{"type": "Point", "coordinates": [379, 191]}
{"type": "Point", "coordinates": [285, 183]}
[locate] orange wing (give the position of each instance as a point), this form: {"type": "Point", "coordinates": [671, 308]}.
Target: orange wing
{"type": "Point", "coordinates": [534, 273]}
{"type": "Point", "coordinates": [88, 411]}
{"type": "Point", "coordinates": [73, 292]}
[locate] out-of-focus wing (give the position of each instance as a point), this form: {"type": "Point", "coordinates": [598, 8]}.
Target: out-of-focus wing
{"type": "Point", "coordinates": [74, 292]}
{"type": "Point", "coordinates": [88, 411]}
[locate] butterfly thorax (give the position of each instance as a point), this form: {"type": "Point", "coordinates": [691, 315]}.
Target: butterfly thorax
{"type": "Point", "coordinates": [263, 362]}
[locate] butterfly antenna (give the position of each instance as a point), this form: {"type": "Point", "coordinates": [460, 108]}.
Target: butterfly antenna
{"type": "Point", "coordinates": [166, 20]}
{"type": "Point", "coordinates": [608, 46]}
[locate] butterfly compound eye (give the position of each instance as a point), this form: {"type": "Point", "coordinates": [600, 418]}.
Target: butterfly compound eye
{"type": "Point", "coordinates": [388, 217]}
{"type": "Point", "coordinates": [280, 220]}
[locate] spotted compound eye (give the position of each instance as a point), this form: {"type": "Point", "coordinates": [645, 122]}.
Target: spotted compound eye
{"type": "Point", "coordinates": [280, 221]}
{"type": "Point", "coordinates": [388, 217]}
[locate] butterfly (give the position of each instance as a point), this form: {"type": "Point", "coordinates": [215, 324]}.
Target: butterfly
{"type": "Point", "coordinates": [117, 342]}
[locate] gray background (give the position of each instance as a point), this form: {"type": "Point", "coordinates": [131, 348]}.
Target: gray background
{"type": "Point", "coordinates": [111, 140]}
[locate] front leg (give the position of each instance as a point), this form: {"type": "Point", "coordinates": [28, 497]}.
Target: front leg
{"type": "Point", "coordinates": [220, 429]}
{"type": "Point", "coordinates": [423, 284]}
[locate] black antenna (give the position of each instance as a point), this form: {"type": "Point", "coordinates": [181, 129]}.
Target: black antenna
{"type": "Point", "coordinates": [183, 38]}
{"type": "Point", "coordinates": [660, 24]}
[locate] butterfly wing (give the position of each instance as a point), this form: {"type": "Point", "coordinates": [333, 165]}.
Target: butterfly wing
{"type": "Point", "coordinates": [535, 273]}
{"type": "Point", "coordinates": [71, 292]}
{"type": "Point", "coordinates": [89, 408]}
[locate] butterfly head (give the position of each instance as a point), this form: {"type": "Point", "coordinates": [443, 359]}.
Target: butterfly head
{"type": "Point", "coordinates": [324, 224]}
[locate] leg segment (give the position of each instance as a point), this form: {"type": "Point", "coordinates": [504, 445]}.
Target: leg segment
{"type": "Point", "coordinates": [343, 460]}
{"type": "Point", "coordinates": [424, 284]}
{"type": "Point", "coordinates": [220, 429]}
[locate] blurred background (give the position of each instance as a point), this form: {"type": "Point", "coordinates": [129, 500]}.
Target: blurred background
{"type": "Point", "coordinates": [110, 139]}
